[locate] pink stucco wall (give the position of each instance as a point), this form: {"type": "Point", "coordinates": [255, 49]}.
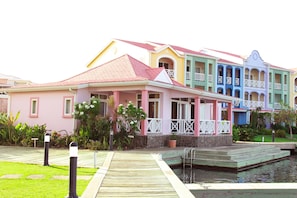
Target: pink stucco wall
{"type": "Point", "coordinates": [50, 109]}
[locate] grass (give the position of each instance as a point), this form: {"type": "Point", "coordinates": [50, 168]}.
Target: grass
{"type": "Point", "coordinates": [45, 187]}
{"type": "Point", "coordinates": [268, 138]}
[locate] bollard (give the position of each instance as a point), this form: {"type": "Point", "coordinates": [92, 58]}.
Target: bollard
{"type": "Point", "coordinates": [47, 138]}
{"type": "Point", "coordinates": [111, 139]}
{"type": "Point", "coordinates": [73, 153]}
{"type": "Point", "coordinates": [273, 135]}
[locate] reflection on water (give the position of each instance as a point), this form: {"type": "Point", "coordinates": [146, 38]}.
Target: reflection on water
{"type": "Point", "coordinates": [283, 171]}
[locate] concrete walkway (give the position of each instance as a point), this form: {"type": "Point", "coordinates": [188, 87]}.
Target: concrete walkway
{"type": "Point", "coordinates": [134, 174]}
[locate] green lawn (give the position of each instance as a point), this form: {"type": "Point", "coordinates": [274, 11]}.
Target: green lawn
{"type": "Point", "coordinates": [268, 138]}
{"type": "Point", "coordinates": [46, 187]}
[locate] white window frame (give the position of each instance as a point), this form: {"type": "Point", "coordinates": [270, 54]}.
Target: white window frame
{"type": "Point", "coordinates": [34, 107]}
{"type": "Point", "coordinates": [68, 106]}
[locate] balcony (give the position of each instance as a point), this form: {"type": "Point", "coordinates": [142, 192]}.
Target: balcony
{"type": "Point", "coordinates": [199, 77]}
{"type": "Point", "coordinates": [228, 80]}
{"type": "Point", "coordinates": [253, 103]}
{"type": "Point", "coordinates": [254, 83]}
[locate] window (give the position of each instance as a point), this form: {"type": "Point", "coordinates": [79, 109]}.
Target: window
{"type": "Point", "coordinates": [68, 107]}
{"type": "Point", "coordinates": [165, 65]}
{"type": "Point", "coordinates": [34, 107]}
{"type": "Point", "coordinates": [103, 107]}
{"type": "Point", "coordinates": [138, 99]}
{"type": "Point", "coordinates": [153, 106]}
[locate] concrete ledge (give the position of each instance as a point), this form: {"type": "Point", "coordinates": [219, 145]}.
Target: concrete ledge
{"type": "Point", "coordinates": [240, 186]}
{"type": "Point", "coordinates": [281, 145]}
{"type": "Point", "coordinates": [94, 185]}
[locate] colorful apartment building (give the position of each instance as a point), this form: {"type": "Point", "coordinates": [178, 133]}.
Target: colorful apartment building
{"type": "Point", "coordinates": [256, 83]}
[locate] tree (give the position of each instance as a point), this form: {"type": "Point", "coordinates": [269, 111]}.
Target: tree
{"type": "Point", "coordinates": [286, 115]}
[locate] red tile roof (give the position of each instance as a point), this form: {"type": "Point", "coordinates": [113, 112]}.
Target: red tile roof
{"type": "Point", "coordinates": [124, 68]}
{"type": "Point", "coordinates": [230, 54]}
{"type": "Point", "coordinates": [220, 60]}
{"type": "Point", "coordinates": [141, 45]}
{"type": "Point", "coordinates": [175, 47]}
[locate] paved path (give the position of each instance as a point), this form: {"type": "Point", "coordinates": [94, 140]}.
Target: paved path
{"type": "Point", "coordinates": [134, 174]}
{"type": "Point", "coordinates": [86, 158]}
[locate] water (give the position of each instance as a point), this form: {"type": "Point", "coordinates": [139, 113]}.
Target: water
{"type": "Point", "coordinates": [284, 171]}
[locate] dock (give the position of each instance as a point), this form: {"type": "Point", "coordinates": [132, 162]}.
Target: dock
{"type": "Point", "coordinates": [135, 174]}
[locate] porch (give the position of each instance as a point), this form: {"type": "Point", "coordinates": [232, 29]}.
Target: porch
{"type": "Point", "coordinates": [186, 126]}
{"type": "Point", "coordinates": [211, 133]}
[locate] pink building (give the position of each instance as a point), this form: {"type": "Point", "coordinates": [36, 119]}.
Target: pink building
{"type": "Point", "coordinates": [194, 115]}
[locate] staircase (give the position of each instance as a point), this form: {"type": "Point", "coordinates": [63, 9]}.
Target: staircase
{"type": "Point", "coordinates": [235, 157]}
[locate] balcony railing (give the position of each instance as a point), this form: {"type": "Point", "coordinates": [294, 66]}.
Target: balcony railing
{"type": "Point", "coordinates": [237, 82]}
{"type": "Point", "coordinates": [254, 83]}
{"type": "Point", "coordinates": [170, 72]}
{"type": "Point", "coordinates": [277, 105]}
{"type": "Point", "coordinates": [210, 78]}
{"type": "Point", "coordinates": [229, 80]}
{"type": "Point", "coordinates": [253, 103]}
{"type": "Point", "coordinates": [277, 86]}
{"type": "Point", "coordinates": [199, 77]}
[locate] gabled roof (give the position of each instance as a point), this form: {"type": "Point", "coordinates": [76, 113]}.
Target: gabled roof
{"type": "Point", "coordinates": [123, 71]}
{"type": "Point", "coordinates": [124, 68]}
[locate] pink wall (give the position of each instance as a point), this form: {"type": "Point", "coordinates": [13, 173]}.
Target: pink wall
{"type": "Point", "coordinates": [50, 109]}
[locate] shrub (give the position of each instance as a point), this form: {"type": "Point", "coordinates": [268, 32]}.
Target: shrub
{"type": "Point", "coordinates": [235, 133]}
{"type": "Point", "coordinates": [280, 133]}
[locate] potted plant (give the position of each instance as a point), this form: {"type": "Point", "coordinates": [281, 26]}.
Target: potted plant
{"type": "Point", "coordinates": [172, 140]}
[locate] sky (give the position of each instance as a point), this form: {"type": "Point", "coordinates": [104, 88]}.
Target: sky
{"type": "Point", "coordinates": [52, 40]}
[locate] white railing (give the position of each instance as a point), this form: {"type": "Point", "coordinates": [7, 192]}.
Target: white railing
{"type": "Point", "coordinates": [237, 82]}
{"type": "Point", "coordinates": [220, 79]}
{"type": "Point", "coordinates": [182, 126]}
{"type": "Point", "coordinates": [223, 126]}
{"type": "Point", "coordinates": [229, 80]}
{"type": "Point", "coordinates": [210, 78]}
{"type": "Point", "coordinates": [170, 72]}
{"type": "Point", "coordinates": [253, 103]}
{"type": "Point", "coordinates": [207, 127]}
{"type": "Point", "coordinates": [277, 105]}
{"type": "Point", "coordinates": [186, 126]}
{"type": "Point", "coordinates": [154, 125]}
{"type": "Point", "coordinates": [199, 76]}
{"type": "Point", "coordinates": [188, 76]}
{"type": "Point", "coordinates": [254, 83]}
{"type": "Point", "coordinates": [277, 86]}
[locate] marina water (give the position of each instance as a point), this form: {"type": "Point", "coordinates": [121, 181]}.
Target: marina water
{"type": "Point", "coordinates": [283, 171]}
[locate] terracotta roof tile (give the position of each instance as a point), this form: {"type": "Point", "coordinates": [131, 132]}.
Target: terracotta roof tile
{"type": "Point", "coordinates": [141, 45]}
{"type": "Point", "coordinates": [124, 68]}
{"type": "Point", "coordinates": [230, 54]}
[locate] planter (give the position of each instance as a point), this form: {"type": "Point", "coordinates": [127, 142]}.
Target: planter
{"type": "Point", "coordinates": [172, 143]}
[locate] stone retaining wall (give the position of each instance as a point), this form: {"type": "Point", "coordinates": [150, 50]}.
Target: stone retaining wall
{"type": "Point", "coordinates": [158, 141]}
